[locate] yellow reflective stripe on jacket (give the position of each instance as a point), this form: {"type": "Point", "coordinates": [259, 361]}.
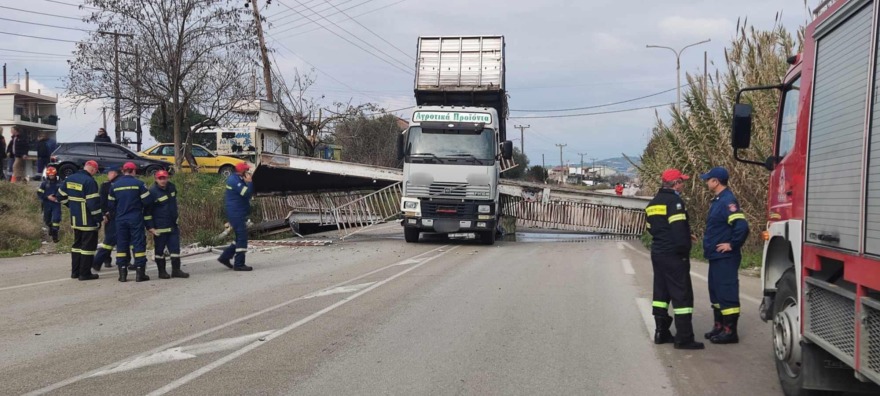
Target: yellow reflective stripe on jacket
{"type": "Point", "coordinates": [677, 217]}
{"type": "Point", "coordinates": [111, 198]}
{"type": "Point", "coordinates": [243, 190]}
{"type": "Point", "coordinates": [656, 210]}
{"type": "Point", "coordinates": [163, 230]}
{"type": "Point", "coordinates": [145, 194]}
{"type": "Point", "coordinates": [162, 199]}
{"type": "Point", "coordinates": [96, 212]}
{"type": "Point", "coordinates": [683, 311]}
{"type": "Point", "coordinates": [84, 228]}
{"type": "Point", "coordinates": [716, 306]}
{"type": "Point", "coordinates": [87, 252]}
{"type": "Point", "coordinates": [125, 188]}
{"type": "Point", "coordinates": [735, 217]}
{"type": "Point", "coordinates": [660, 304]}
{"type": "Point", "coordinates": [40, 190]}
{"type": "Point", "coordinates": [62, 192]}
{"type": "Point", "coordinates": [76, 199]}
{"type": "Point", "coordinates": [730, 311]}
{"type": "Point", "coordinates": [148, 217]}
{"type": "Point", "coordinates": [228, 188]}
{"type": "Point", "coordinates": [93, 196]}
{"type": "Point", "coordinates": [105, 246]}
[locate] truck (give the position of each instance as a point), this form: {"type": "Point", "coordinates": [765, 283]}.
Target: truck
{"type": "Point", "coordinates": [821, 261]}
{"type": "Point", "coordinates": [453, 149]}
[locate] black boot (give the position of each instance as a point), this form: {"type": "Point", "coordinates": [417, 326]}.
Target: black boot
{"type": "Point", "coordinates": [54, 234]}
{"type": "Point", "coordinates": [662, 335]}
{"type": "Point", "coordinates": [74, 265]}
{"type": "Point", "coordinates": [85, 266]}
{"type": "Point", "coordinates": [141, 274]}
{"type": "Point", "coordinates": [729, 335]}
{"type": "Point", "coordinates": [108, 262]}
{"type": "Point", "coordinates": [717, 328]}
{"type": "Point", "coordinates": [123, 274]}
{"type": "Point", "coordinates": [160, 263]}
{"type": "Point", "coordinates": [684, 333]}
{"type": "Point", "coordinates": [176, 272]}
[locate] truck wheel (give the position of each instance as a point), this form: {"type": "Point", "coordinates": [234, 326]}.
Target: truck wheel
{"type": "Point", "coordinates": [488, 237]}
{"type": "Point", "coordinates": [151, 170]}
{"type": "Point", "coordinates": [66, 170]}
{"type": "Point", "coordinates": [411, 234]}
{"type": "Point", "coordinates": [787, 338]}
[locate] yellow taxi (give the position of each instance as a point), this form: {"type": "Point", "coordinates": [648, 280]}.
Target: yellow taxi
{"type": "Point", "coordinates": [205, 159]}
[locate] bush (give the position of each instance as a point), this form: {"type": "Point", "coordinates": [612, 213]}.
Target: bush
{"type": "Point", "coordinates": [20, 220]}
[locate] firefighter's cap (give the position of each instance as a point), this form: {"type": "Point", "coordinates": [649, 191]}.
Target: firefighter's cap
{"type": "Point", "coordinates": [673, 174]}
{"type": "Point", "coordinates": [717, 172]}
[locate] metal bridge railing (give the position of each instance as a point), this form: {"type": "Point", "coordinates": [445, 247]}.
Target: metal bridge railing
{"type": "Point", "coordinates": [371, 209]}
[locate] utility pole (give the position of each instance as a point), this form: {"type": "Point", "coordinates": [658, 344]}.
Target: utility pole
{"type": "Point", "coordinates": [267, 67]}
{"type": "Point", "coordinates": [522, 141]}
{"type": "Point", "coordinates": [678, 65]}
{"type": "Point", "coordinates": [582, 161]}
{"type": "Point", "coordinates": [561, 164]}
{"type": "Point", "coordinates": [104, 112]}
{"type": "Point", "coordinates": [116, 93]}
{"type": "Point", "coordinates": [137, 98]}
{"type": "Point", "coordinates": [543, 168]}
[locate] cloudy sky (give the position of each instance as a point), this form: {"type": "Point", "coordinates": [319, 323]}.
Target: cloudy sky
{"type": "Point", "coordinates": [560, 54]}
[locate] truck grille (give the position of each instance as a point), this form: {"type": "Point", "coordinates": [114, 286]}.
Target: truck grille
{"type": "Point", "coordinates": [448, 209]}
{"type": "Point", "coordinates": [449, 191]}
{"type": "Point", "coordinates": [830, 318]}
{"type": "Point", "coordinates": [870, 346]}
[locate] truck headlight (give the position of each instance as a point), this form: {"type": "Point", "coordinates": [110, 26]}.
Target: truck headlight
{"type": "Point", "coordinates": [411, 205]}
{"type": "Point", "coordinates": [484, 209]}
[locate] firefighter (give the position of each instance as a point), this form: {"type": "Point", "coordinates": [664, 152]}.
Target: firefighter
{"type": "Point", "coordinates": [161, 220]}
{"type": "Point", "coordinates": [48, 194]}
{"type": "Point", "coordinates": [109, 243]}
{"type": "Point", "coordinates": [127, 198]}
{"type": "Point", "coordinates": [239, 189]}
{"type": "Point", "coordinates": [726, 232]}
{"type": "Point", "coordinates": [670, 257]}
{"type": "Point", "coordinates": [79, 193]}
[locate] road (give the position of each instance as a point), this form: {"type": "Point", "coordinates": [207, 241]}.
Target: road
{"type": "Point", "coordinates": [371, 316]}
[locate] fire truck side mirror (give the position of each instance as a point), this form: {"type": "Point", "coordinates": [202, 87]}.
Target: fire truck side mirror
{"type": "Point", "coordinates": [507, 150]}
{"type": "Point", "coordinates": [741, 131]}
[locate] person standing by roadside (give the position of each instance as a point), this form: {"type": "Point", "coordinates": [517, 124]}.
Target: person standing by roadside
{"type": "Point", "coordinates": [48, 194]}
{"type": "Point", "coordinates": [161, 218]}
{"type": "Point", "coordinates": [128, 197]}
{"type": "Point", "coordinates": [79, 193]}
{"type": "Point", "coordinates": [10, 159]}
{"type": "Point", "coordinates": [102, 136]}
{"type": "Point", "coordinates": [239, 190]}
{"type": "Point", "coordinates": [45, 147]}
{"type": "Point", "coordinates": [726, 232]}
{"type": "Point", "coordinates": [109, 242]}
{"type": "Point", "coordinates": [670, 257]}
{"type": "Point", "coordinates": [2, 155]}
{"type": "Point", "coordinates": [19, 146]}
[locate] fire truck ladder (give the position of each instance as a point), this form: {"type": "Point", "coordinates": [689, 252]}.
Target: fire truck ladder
{"type": "Point", "coordinates": [367, 211]}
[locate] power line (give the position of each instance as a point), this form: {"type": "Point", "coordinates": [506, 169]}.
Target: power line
{"type": "Point", "coordinates": [74, 5]}
{"type": "Point", "coordinates": [31, 52]}
{"type": "Point", "coordinates": [353, 43]}
{"type": "Point", "coordinates": [389, 111]}
{"type": "Point", "coordinates": [592, 114]}
{"type": "Point", "coordinates": [278, 17]}
{"type": "Point", "coordinates": [308, 23]}
{"type": "Point", "coordinates": [46, 25]}
{"type": "Point", "coordinates": [309, 63]}
{"type": "Point", "coordinates": [38, 37]}
{"type": "Point", "coordinates": [371, 31]}
{"type": "Point", "coordinates": [301, 18]}
{"type": "Point", "coordinates": [597, 106]}
{"type": "Point", "coordinates": [41, 13]}
{"type": "Point", "coordinates": [355, 16]}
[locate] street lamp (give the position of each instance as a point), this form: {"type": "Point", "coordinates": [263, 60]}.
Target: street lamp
{"type": "Point", "coordinates": [678, 65]}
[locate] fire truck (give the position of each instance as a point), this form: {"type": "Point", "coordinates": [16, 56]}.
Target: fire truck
{"type": "Point", "coordinates": [821, 262]}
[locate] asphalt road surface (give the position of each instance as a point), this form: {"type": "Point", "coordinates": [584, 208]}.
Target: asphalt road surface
{"type": "Point", "coordinates": [371, 316]}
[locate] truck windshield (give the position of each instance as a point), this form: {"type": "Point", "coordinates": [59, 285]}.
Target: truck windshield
{"type": "Point", "coordinates": [449, 143]}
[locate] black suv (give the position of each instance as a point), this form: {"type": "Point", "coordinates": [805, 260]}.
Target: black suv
{"type": "Point", "coordinates": [71, 157]}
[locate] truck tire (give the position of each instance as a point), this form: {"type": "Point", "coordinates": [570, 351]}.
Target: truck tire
{"type": "Point", "coordinates": [411, 234]}
{"type": "Point", "coordinates": [487, 238]}
{"type": "Point", "coordinates": [151, 170]}
{"type": "Point", "coordinates": [66, 170]}
{"type": "Point", "coordinates": [789, 370]}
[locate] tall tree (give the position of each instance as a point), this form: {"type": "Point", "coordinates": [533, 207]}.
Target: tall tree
{"type": "Point", "coordinates": [191, 54]}
{"type": "Point", "coordinates": [163, 131]}
{"type": "Point", "coordinates": [522, 164]}
{"type": "Point", "coordinates": [368, 140]}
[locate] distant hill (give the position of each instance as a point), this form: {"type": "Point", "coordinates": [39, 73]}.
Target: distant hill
{"type": "Point", "coordinates": [620, 164]}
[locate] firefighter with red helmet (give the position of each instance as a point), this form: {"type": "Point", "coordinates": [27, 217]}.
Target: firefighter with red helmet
{"type": "Point", "coordinates": [161, 218]}
{"type": "Point", "coordinates": [239, 190]}
{"type": "Point", "coordinates": [128, 197]}
{"type": "Point", "coordinates": [48, 194]}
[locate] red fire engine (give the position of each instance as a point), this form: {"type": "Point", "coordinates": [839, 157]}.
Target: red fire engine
{"type": "Point", "coordinates": [821, 267]}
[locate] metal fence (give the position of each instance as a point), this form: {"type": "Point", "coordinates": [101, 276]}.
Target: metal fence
{"type": "Point", "coordinates": [574, 216]}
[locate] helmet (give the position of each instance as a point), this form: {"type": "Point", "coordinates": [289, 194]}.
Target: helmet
{"type": "Point", "coordinates": [161, 174]}
{"type": "Point", "coordinates": [242, 166]}
{"type": "Point", "coordinates": [51, 171]}
{"type": "Point", "coordinates": [129, 166]}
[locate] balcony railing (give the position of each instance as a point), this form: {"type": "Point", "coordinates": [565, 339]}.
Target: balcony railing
{"type": "Point", "coordinates": [51, 119]}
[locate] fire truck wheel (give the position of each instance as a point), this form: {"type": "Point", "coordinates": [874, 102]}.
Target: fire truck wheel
{"type": "Point", "coordinates": [410, 234]}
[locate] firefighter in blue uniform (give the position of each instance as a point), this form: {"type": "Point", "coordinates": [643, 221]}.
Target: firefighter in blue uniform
{"type": "Point", "coordinates": [161, 219]}
{"type": "Point", "coordinates": [239, 189]}
{"type": "Point", "coordinates": [109, 243]}
{"type": "Point", "coordinates": [79, 193]}
{"type": "Point", "coordinates": [48, 194]}
{"type": "Point", "coordinates": [726, 232]}
{"type": "Point", "coordinates": [670, 257]}
{"type": "Point", "coordinates": [128, 197]}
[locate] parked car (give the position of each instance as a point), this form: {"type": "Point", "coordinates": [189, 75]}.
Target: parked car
{"type": "Point", "coordinates": [205, 159]}
{"type": "Point", "coordinates": [71, 157]}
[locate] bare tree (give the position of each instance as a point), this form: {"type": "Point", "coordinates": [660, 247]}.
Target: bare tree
{"type": "Point", "coordinates": [369, 140]}
{"type": "Point", "coordinates": [192, 54]}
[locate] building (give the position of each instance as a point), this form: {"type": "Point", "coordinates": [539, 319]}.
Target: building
{"type": "Point", "coordinates": [259, 129]}
{"type": "Point", "coordinates": [32, 113]}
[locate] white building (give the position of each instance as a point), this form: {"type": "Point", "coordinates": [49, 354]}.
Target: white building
{"type": "Point", "coordinates": [32, 113]}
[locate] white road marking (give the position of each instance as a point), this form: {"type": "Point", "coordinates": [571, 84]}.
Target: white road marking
{"type": "Point", "coordinates": [202, 333]}
{"type": "Point", "coordinates": [647, 315]}
{"type": "Point", "coordinates": [183, 353]}
{"type": "Point", "coordinates": [627, 267]}
{"type": "Point", "coordinates": [700, 277]}
{"type": "Point", "coordinates": [228, 358]}
{"type": "Point", "coordinates": [339, 290]}
{"type": "Point", "coordinates": [66, 279]}
{"type": "Point", "coordinates": [620, 246]}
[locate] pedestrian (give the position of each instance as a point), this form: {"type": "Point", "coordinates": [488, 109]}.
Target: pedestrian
{"type": "Point", "coordinates": [670, 257]}
{"type": "Point", "coordinates": [10, 159]}
{"type": "Point", "coordinates": [726, 232]}
{"type": "Point", "coordinates": [109, 221]}
{"type": "Point", "coordinates": [45, 147]}
{"type": "Point", "coordinates": [239, 189]}
{"type": "Point", "coordinates": [618, 189]}
{"type": "Point", "coordinates": [102, 136]}
{"type": "Point", "coordinates": [2, 154]}
{"type": "Point", "coordinates": [19, 150]}
{"type": "Point", "coordinates": [161, 218]}
{"type": "Point", "coordinates": [127, 198]}
{"type": "Point", "coordinates": [48, 194]}
{"type": "Point", "coordinates": [79, 193]}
